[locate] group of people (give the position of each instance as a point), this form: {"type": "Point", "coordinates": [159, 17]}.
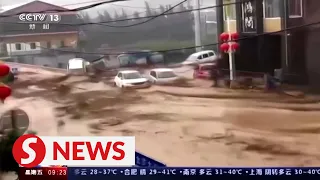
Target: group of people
{"type": "Point", "coordinates": [217, 73]}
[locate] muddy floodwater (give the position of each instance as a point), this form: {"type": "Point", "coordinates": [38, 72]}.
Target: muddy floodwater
{"type": "Point", "coordinates": [180, 128]}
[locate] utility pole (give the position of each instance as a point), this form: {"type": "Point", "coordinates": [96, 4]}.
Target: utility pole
{"type": "Point", "coordinates": [197, 30]}
{"type": "Point", "coordinates": [231, 54]}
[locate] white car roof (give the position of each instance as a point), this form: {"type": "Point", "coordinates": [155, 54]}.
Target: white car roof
{"type": "Point", "coordinates": [128, 71]}
{"type": "Point", "coordinates": [207, 64]}
{"type": "Point", "coordinates": [161, 69]}
{"type": "Point", "coordinates": [201, 52]}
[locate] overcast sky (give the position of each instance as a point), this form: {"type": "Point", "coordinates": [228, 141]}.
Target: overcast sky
{"type": "Point", "coordinates": [134, 5]}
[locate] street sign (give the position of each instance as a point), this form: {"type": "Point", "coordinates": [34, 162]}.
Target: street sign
{"type": "Point", "coordinates": [145, 161]}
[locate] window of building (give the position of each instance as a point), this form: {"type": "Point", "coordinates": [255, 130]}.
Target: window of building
{"type": "Point", "coordinates": [271, 8]}
{"type": "Point", "coordinates": [18, 46]}
{"type": "Point", "coordinates": [295, 8]}
{"type": "Point", "coordinates": [229, 10]}
{"type": "Point", "coordinates": [48, 44]}
{"type": "Point", "coordinates": [33, 46]}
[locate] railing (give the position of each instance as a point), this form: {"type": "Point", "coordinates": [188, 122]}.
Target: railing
{"type": "Point", "coordinates": [60, 70]}
{"type": "Point", "coordinates": [25, 52]}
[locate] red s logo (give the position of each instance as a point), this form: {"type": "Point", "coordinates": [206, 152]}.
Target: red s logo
{"type": "Point", "coordinates": [29, 150]}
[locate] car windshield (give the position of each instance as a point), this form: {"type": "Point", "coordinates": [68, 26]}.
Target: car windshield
{"type": "Point", "coordinates": [166, 74]}
{"type": "Point", "coordinates": [191, 58]}
{"type": "Point", "coordinates": [133, 75]}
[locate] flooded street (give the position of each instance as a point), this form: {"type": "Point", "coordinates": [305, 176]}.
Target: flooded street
{"type": "Point", "coordinates": [177, 129]}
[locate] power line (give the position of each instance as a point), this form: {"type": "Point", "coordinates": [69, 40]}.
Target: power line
{"type": "Point", "coordinates": [143, 22]}
{"type": "Point", "coordinates": [132, 7]}
{"type": "Point", "coordinates": [192, 47]}
{"type": "Point", "coordinates": [151, 30]}
{"type": "Point", "coordinates": [103, 23]}
{"type": "Point", "coordinates": [135, 8]}
{"type": "Point", "coordinates": [135, 13]}
{"type": "Point", "coordinates": [68, 10]}
{"type": "Point", "coordinates": [86, 2]}
{"type": "Point", "coordinates": [130, 15]}
{"type": "Point", "coordinates": [162, 14]}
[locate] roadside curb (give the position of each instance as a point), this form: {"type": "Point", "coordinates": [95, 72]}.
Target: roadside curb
{"type": "Point", "coordinates": [277, 98]}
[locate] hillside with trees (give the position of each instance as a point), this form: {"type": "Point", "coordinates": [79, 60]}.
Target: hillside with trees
{"type": "Point", "coordinates": [164, 32]}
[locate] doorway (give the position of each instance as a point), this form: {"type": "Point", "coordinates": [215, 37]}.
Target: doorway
{"type": "Point", "coordinates": [272, 53]}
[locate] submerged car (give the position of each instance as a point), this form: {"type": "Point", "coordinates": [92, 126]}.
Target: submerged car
{"type": "Point", "coordinates": [162, 75]}
{"type": "Point", "coordinates": [14, 70]}
{"type": "Point", "coordinates": [203, 71]}
{"type": "Point", "coordinates": [130, 79]}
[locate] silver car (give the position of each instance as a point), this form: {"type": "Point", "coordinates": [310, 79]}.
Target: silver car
{"type": "Point", "coordinates": [207, 56]}
{"type": "Point", "coordinates": [162, 76]}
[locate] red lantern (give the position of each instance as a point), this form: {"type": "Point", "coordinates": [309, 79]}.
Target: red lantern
{"type": "Point", "coordinates": [4, 69]}
{"type": "Point", "coordinates": [234, 36]}
{"type": "Point", "coordinates": [234, 46]}
{"type": "Point", "coordinates": [5, 92]}
{"type": "Point", "coordinates": [224, 37]}
{"type": "Point", "coordinates": [225, 47]}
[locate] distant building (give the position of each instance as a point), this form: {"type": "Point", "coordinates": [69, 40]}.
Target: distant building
{"type": "Point", "coordinates": [43, 40]}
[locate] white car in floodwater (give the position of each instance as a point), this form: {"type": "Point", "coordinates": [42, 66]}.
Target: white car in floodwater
{"type": "Point", "coordinates": [14, 70]}
{"type": "Point", "coordinates": [207, 56]}
{"type": "Point", "coordinates": [162, 76]}
{"type": "Point", "coordinates": [130, 79]}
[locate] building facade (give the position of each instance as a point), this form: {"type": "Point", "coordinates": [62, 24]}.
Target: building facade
{"type": "Point", "coordinates": [47, 39]}
{"type": "Point", "coordinates": [275, 34]}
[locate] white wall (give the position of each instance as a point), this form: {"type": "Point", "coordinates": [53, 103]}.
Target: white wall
{"type": "Point", "coordinates": [11, 47]}
{"type": "Point", "coordinates": [57, 61]}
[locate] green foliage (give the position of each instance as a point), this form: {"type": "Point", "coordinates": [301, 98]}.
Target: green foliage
{"type": "Point", "coordinates": [148, 9]}
{"type": "Point", "coordinates": [116, 16]}
{"type": "Point", "coordinates": [7, 162]}
{"type": "Point", "coordinates": [107, 16]}
{"type": "Point", "coordinates": [162, 33]}
{"type": "Point", "coordinates": [7, 79]}
{"type": "Point", "coordinates": [104, 16]}
{"type": "Point", "coordinates": [124, 14]}
{"type": "Point", "coordinates": [182, 7]}
{"type": "Point", "coordinates": [85, 17]}
{"type": "Point", "coordinates": [162, 9]}
{"type": "Point", "coordinates": [136, 14]}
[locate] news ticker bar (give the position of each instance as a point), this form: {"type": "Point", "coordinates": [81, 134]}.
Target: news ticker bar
{"type": "Point", "coordinates": [83, 173]}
